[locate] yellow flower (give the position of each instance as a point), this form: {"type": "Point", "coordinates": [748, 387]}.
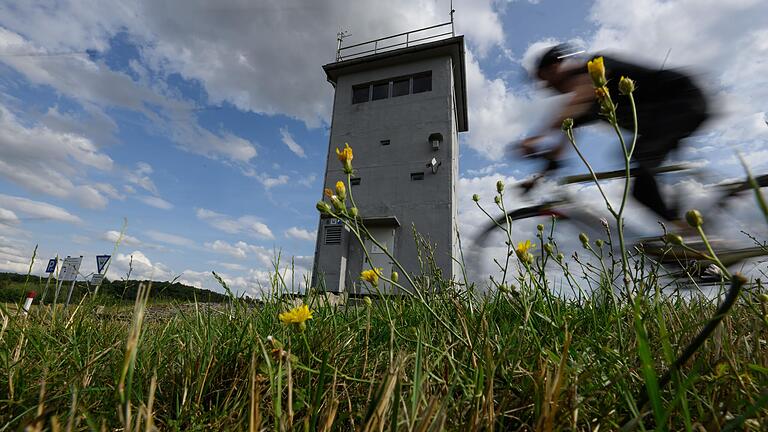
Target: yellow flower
{"type": "Point", "coordinates": [522, 251]}
{"type": "Point", "coordinates": [341, 190]}
{"type": "Point", "coordinates": [372, 276]}
{"type": "Point", "coordinates": [345, 157]}
{"type": "Point", "coordinates": [297, 315]}
{"type": "Point", "coordinates": [601, 93]}
{"type": "Point", "coordinates": [596, 69]}
{"type": "Point", "coordinates": [523, 247]}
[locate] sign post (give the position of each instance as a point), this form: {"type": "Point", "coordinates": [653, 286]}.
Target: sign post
{"type": "Point", "coordinates": [69, 271]}
{"type": "Point", "coordinates": [50, 269]}
{"type": "Point", "coordinates": [28, 302]}
{"type": "Point", "coordinates": [101, 263]}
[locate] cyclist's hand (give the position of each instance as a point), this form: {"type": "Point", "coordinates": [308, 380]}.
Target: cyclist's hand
{"type": "Point", "coordinates": [528, 147]}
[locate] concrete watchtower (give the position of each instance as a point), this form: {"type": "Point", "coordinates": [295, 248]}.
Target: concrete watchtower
{"type": "Point", "coordinates": [400, 105]}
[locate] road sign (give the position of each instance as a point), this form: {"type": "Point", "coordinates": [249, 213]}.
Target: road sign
{"type": "Point", "coordinates": [97, 279]}
{"type": "Point", "coordinates": [51, 266]}
{"type": "Point", "coordinates": [101, 261]}
{"type": "Point", "coordinates": [70, 268]}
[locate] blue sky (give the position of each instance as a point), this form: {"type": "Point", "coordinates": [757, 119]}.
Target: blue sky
{"type": "Point", "coordinates": [205, 124]}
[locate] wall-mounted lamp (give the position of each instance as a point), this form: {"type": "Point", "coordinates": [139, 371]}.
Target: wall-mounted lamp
{"type": "Point", "coordinates": [435, 139]}
{"type": "Point", "coordinates": [434, 164]}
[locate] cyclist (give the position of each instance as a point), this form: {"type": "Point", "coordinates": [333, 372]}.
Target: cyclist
{"type": "Point", "coordinates": [670, 107]}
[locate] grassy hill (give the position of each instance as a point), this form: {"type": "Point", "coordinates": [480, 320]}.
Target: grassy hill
{"type": "Point", "coordinates": [13, 290]}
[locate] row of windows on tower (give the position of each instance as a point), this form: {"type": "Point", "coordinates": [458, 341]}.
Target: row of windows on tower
{"type": "Point", "coordinates": [414, 176]}
{"type": "Point", "coordinates": [401, 86]}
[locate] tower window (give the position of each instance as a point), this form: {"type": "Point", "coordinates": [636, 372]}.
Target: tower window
{"type": "Point", "coordinates": [380, 91]}
{"type": "Point", "coordinates": [417, 176]}
{"type": "Point", "coordinates": [354, 181]}
{"type": "Point", "coordinates": [332, 234]}
{"type": "Point", "coordinates": [422, 82]}
{"type": "Point", "coordinates": [384, 142]}
{"type": "Point", "coordinates": [401, 87]}
{"type": "Point", "coordinates": [360, 93]}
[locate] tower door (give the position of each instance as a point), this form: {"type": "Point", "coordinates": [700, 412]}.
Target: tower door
{"type": "Point", "coordinates": [379, 259]}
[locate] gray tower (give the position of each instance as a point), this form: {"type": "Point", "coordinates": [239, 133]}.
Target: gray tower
{"type": "Point", "coordinates": [401, 111]}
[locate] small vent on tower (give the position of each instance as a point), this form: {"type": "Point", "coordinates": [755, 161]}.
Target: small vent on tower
{"type": "Point", "coordinates": [417, 176]}
{"type": "Point", "coordinates": [332, 234]}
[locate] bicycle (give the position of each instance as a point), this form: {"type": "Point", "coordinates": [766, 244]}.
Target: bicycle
{"type": "Point", "coordinates": [563, 206]}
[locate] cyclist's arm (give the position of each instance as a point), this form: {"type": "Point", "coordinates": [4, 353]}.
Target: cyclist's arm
{"type": "Point", "coordinates": [580, 97]}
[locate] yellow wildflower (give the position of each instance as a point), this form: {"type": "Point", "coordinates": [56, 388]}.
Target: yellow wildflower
{"type": "Point", "coordinates": [596, 69]}
{"type": "Point", "coordinates": [341, 190]}
{"type": "Point", "coordinates": [522, 251]}
{"type": "Point", "coordinates": [523, 247]}
{"type": "Point", "coordinates": [297, 315]}
{"type": "Point", "coordinates": [372, 276]}
{"type": "Point", "coordinates": [345, 157]}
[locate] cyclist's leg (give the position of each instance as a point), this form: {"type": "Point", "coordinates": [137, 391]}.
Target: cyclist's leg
{"type": "Point", "coordinates": [649, 155]}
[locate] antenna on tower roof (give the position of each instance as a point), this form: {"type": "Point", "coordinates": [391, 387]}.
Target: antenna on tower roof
{"type": "Point", "coordinates": [453, 31]}
{"type": "Point", "coordinates": [340, 38]}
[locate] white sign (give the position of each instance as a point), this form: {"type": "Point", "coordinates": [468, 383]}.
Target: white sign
{"type": "Point", "coordinates": [101, 261]}
{"type": "Point", "coordinates": [97, 279]}
{"type": "Point", "coordinates": [70, 268]}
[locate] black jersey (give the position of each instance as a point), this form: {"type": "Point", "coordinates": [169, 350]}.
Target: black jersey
{"type": "Point", "coordinates": [667, 101]}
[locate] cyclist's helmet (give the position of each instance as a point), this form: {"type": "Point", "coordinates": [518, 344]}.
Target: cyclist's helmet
{"type": "Point", "coordinates": [556, 54]}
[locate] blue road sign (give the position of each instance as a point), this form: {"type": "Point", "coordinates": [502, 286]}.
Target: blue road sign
{"type": "Point", "coordinates": [51, 266]}
{"type": "Point", "coordinates": [101, 261]}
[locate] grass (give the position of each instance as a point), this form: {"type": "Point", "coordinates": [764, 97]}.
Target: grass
{"type": "Point", "coordinates": [523, 360]}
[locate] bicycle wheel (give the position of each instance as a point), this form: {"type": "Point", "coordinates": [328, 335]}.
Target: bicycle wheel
{"type": "Point", "coordinates": [538, 210]}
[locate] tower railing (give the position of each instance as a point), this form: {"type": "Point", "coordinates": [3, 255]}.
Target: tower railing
{"type": "Point", "coordinates": [389, 43]}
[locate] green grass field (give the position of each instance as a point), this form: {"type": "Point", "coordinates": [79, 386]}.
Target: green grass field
{"type": "Point", "coordinates": [521, 359]}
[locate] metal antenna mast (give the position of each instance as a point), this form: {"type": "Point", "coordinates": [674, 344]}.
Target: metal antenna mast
{"type": "Point", "coordinates": [339, 39]}
{"type": "Point", "coordinates": [453, 31]}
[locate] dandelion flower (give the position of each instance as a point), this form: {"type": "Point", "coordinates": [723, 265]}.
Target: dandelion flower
{"type": "Point", "coordinates": [596, 69]}
{"type": "Point", "coordinates": [372, 276]}
{"type": "Point", "coordinates": [298, 315]}
{"type": "Point", "coordinates": [345, 157]}
{"type": "Point", "coordinates": [522, 251]}
{"type": "Point", "coordinates": [341, 190]}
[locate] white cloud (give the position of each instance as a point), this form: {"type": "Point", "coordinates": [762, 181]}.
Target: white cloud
{"type": "Point", "coordinates": [300, 234]}
{"type": "Point", "coordinates": [112, 236]}
{"type": "Point", "coordinates": [247, 224]}
{"type": "Point", "coordinates": [242, 250]}
{"type": "Point", "coordinates": [8, 217]}
{"type": "Point", "coordinates": [51, 162]}
{"type": "Point", "coordinates": [288, 140]}
{"type": "Point", "coordinates": [95, 87]}
{"type": "Point", "coordinates": [214, 45]}
{"type": "Point", "coordinates": [270, 182]}
{"type": "Point", "coordinates": [141, 267]}
{"type": "Point", "coordinates": [140, 177]}
{"type": "Point", "coordinates": [173, 239]}
{"type": "Point", "coordinates": [37, 209]}
{"type": "Point", "coordinates": [308, 180]}
{"type": "Point", "coordinates": [14, 259]}
{"type": "Point", "coordinates": [155, 201]}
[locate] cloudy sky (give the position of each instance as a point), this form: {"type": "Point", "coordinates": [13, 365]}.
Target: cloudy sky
{"type": "Point", "coordinates": [205, 124]}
